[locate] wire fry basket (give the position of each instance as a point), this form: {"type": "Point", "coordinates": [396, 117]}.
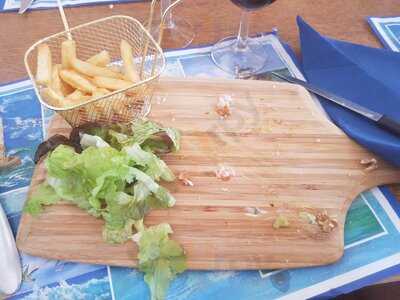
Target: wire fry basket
{"type": "Point", "coordinates": [121, 105]}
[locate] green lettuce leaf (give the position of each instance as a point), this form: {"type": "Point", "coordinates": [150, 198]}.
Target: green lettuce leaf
{"type": "Point", "coordinates": [175, 137]}
{"type": "Point", "coordinates": [154, 137]}
{"type": "Point", "coordinates": [142, 130]}
{"type": "Point", "coordinates": [153, 166]}
{"type": "Point", "coordinates": [123, 210]}
{"type": "Point", "coordinates": [159, 192]}
{"type": "Point", "coordinates": [160, 258]}
{"type": "Point", "coordinates": [88, 140]}
{"type": "Point", "coordinates": [118, 139]}
{"type": "Point", "coordinates": [150, 136]}
{"type": "Point", "coordinates": [43, 195]}
{"type": "Point", "coordinates": [118, 235]}
{"type": "Point", "coordinates": [94, 174]}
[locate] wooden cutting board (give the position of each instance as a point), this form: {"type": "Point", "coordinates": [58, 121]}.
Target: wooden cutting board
{"type": "Point", "coordinates": [287, 158]}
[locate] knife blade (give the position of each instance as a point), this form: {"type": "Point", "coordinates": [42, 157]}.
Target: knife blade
{"type": "Point", "coordinates": [25, 4]}
{"type": "Point", "coordinates": [380, 119]}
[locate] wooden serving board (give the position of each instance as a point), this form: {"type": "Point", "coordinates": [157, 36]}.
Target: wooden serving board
{"type": "Point", "coordinates": [286, 156]}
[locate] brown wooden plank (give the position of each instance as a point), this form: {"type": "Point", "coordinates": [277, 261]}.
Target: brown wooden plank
{"type": "Point", "coordinates": [283, 167]}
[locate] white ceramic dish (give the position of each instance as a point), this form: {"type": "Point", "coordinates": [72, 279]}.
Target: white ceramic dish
{"type": "Point", "coordinates": [10, 265]}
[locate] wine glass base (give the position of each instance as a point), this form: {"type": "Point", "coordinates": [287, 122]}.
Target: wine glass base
{"type": "Point", "coordinates": [241, 62]}
{"type": "Point", "coordinates": [179, 34]}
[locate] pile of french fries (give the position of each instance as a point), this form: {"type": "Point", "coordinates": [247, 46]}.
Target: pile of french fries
{"type": "Point", "coordinates": [75, 81]}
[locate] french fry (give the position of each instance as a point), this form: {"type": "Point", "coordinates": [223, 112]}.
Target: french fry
{"type": "Point", "coordinates": [100, 92]}
{"type": "Point", "coordinates": [99, 106]}
{"type": "Point", "coordinates": [129, 66]}
{"type": "Point", "coordinates": [77, 81]}
{"type": "Point", "coordinates": [56, 80]}
{"type": "Point", "coordinates": [111, 83]}
{"type": "Point", "coordinates": [92, 70]}
{"type": "Point", "coordinates": [75, 95]}
{"type": "Point", "coordinates": [43, 71]}
{"type": "Point", "coordinates": [100, 59]}
{"type": "Point", "coordinates": [57, 84]}
{"type": "Point", "coordinates": [52, 97]}
{"type": "Point", "coordinates": [57, 100]}
{"type": "Point", "coordinates": [103, 91]}
{"type": "Point", "coordinates": [68, 53]}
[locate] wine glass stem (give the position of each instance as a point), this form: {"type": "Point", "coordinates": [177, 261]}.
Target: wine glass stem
{"type": "Point", "coordinates": [243, 34]}
{"type": "Point", "coordinates": [168, 19]}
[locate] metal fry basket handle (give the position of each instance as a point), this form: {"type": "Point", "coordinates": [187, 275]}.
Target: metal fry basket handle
{"type": "Point", "coordinates": [64, 19]}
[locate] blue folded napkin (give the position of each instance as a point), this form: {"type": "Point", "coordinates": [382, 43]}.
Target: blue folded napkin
{"type": "Point", "coordinates": [368, 76]}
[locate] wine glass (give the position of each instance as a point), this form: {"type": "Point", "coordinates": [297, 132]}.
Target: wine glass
{"type": "Point", "coordinates": [241, 56]}
{"type": "Point", "coordinates": [178, 31]}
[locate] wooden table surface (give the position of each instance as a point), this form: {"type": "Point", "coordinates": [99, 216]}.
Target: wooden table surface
{"type": "Point", "coordinates": [213, 20]}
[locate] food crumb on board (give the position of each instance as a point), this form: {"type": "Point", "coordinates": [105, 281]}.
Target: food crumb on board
{"type": "Point", "coordinates": [325, 222]}
{"type": "Point", "coordinates": [160, 99]}
{"type": "Point", "coordinates": [308, 217]}
{"type": "Point", "coordinates": [223, 108]}
{"type": "Point", "coordinates": [370, 163]}
{"type": "Point", "coordinates": [173, 119]}
{"type": "Point", "coordinates": [254, 211]}
{"type": "Point", "coordinates": [225, 189]}
{"type": "Point", "coordinates": [224, 172]}
{"type": "Point", "coordinates": [111, 6]}
{"type": "Point", "coordinates": [186, 181]}
{"type": "Point", "coordinates": [281, 222]}
{"type": "Point", "coordinates": [318, 140]}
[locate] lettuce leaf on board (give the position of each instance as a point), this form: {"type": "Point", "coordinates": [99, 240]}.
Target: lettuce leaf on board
{"type": "Point", "coordinates": [153, 137]}
{"type": "Point", "coordinates": [153, 166]}
{"type": "Point", "coordinates": [115, 177]}
{"type": "Point", "coordinates": [160, 258]}
{"type": "Point", "coordinates": [44, 195]}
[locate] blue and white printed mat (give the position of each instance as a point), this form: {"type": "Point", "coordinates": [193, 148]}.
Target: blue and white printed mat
{"type": "Point", "coordinates": [372, 232]}
{"type": "Point", "coordinates": [388, 31]}
{"type": "Point", "coordinates": [13, 5]}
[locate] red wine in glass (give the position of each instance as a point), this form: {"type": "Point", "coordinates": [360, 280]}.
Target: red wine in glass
{"type": "Point", "coordinates": [241, 56]}
{"type": "Point", "coordinates": [252, 4]}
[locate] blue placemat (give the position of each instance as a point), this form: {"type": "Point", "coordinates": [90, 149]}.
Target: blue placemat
{"type": "Point", "coordinates": [371, 236]}
{"type": "Point", "coordinates": [13, 5]}
{"type": "Point", "coordinates": [387, 30]}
